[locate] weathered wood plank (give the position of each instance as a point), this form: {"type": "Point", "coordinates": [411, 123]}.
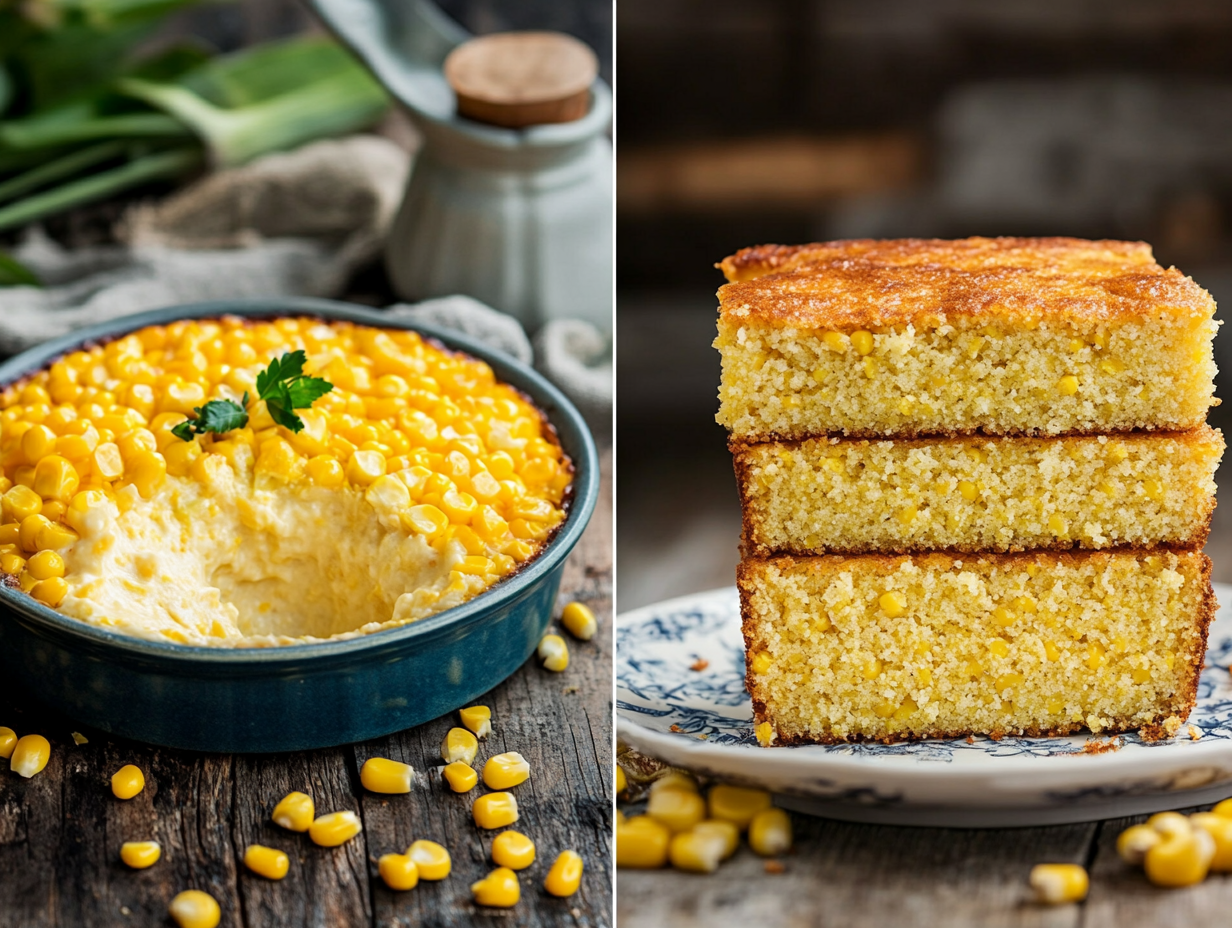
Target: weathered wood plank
{"type": "Point", "coordinates": [61, 831]}
{"type": "Point", "coordinates": [853, 876]}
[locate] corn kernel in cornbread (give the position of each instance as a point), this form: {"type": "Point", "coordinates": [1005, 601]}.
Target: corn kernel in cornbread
{"type": "Point", "coordinates": [978, 494]}
{"type": "Point", "coordinates": [1002, 336]}
{"type": "Point", "coordinates": [888, 648]}
{"type": "Point", "coordinates": [414, 484]}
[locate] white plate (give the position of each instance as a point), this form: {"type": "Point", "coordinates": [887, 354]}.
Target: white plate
{"type": "Point", "coordinates": [703, 720]}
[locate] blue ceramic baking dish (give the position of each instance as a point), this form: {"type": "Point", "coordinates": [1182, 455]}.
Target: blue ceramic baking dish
{"type": "Point", "coordinates": [301, 696]}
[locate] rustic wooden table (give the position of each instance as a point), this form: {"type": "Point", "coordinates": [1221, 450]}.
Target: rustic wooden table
{"type": "Point", "coordinates": [60, 832]}
{"type": "Point", "coordinates": [842, 875]}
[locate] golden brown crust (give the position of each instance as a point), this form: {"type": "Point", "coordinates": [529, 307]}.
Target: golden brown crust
{"type": "Point", "coordinates": [741, 449]}
{"type": "Point", "coordinates": [867, 284]}
{"type": "Point", "coordinates": [1182, 702]}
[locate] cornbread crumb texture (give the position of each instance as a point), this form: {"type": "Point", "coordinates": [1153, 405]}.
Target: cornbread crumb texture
{"type": "Point", "coordinates": [1154, 371]}
{"type": "Point", "coordinates": [416, 483]}
{"type": "Point", "coordinates": [887, 648]}
{"type": "Point", "coordinates": [978, 494]}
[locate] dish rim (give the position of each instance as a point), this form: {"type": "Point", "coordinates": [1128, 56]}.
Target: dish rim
{"type": "Point", "coordinates": [551, 402]}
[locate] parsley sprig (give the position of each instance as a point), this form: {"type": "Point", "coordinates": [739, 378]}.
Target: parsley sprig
{"type": "Point", "coordinates": [284, 387]}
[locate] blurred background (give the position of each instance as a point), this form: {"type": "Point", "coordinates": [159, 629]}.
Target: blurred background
{"type": "Point", "coordinates": [791, 121]}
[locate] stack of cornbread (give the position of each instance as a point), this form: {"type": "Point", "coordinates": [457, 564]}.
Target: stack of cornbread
{"type": "Point", "coordinates": [976, 481]}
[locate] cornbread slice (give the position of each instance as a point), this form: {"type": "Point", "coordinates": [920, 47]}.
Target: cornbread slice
{"type": "Point", "coordinates": [1003, 336]}
{"type": "Point", "coordinates": [890, 648]}
{"type": "Point", "coordinates": [969, 494]}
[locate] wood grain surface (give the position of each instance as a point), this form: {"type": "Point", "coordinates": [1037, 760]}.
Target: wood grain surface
{"type": "Point", "coordinates": [843, 875]}
{"type": "Point", "coordinates": [61, 831]}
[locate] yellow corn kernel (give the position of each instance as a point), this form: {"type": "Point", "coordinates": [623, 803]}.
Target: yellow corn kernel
{"type": "Point", "coordinates": [1152, 488]}
{"type": "Point", "coordinates": [725, 832]}
{"type": "Point", "coordinates": [495, 810]}
{"type": "Point", "coordinates": [513, 849]}
{"type": "Point", "coordinates": [295, 812]}
{"type": "Point", "coordinates": [999, 647]}
{"type": "Point", "coordinates": [762, 662]}
{"type": "Point", "coordinates": [641, 843]}
{"type": "Point", "coordinates": [862, 342]}
{"type": "Point", "coordinates": [1133, 843]}
{"type": "Point", "coordinates": [893, 604]}
{"type": "Point", "coordinates": [1051, 652]}
{"type": "Point", "coordinates": [622, 782]}
{"type": "Point", "coordinates": [1007, 681]}
{"type": "Point", "coordinates": [835, 341]}
{"type": "Point", "coordinates": [579, 620]}
{"type": "Point", "coordinates": [365, 467]}
{"type": "Point", "coordinates": [459, 744]}
{"type": "Point", "coordinates": [1223, 808]}
{"type": "Point", "coordinates": [674, 779]}
{"type": "Point", "coordinates": [382, 775]}
{"type": "Point", "coordinates": [553, 652]}
{"type": "Point", "coordinates": [460, 776]}
{"type": "Point", "coordinates": [45, 565]}
{"type": "Point", "coordinates": [334, 828]}
{"type": "Point", "coordinates": [50, 592]}
{"type": "Point", "coordinates": [885, 709]}
{"type": "Point", "coordinates": [765, 734]}
{"type": "Point", "coordinates": [872, 670]}
{"type": "Point", "coordinates": [140, 854]}
{"type": "Point", "coordinates": [18, 503]}
{"type": "Point", "coordinates": [1116, 453]}
{"type": "Point", "coordinates": [55, 478]}
{"type": "Point", "coordinates": [8, 741]}
{"type": "Point", "coordinates": [1111, 366]}
{"type": "Point", "coordinates": [325, 471]}
{"type": "Point", "coordinates": [1057, 525]}
{"type": "Point", "coordinates": [737, 804]}
{"type": "Point", "coordinates": [147, 472]}
{"type": "Point", "coordinates": [870, 368]}
{"type": "Point", "coordinates": [566, 874]}
{"type": "Point", "coordinates": [398, 871]}
{"type": "Point", "coordinates": [697, 851]}
{"type": "Point", "coordinates": [676, 809]}
{"type": "Point", "coordinates": [268, 862]}
{"type": "Point", "coordinates": [1220, 830]}
{"type": "Point", "coordinates": [425, 520]}
{"type": "Point", "coordinates": [194, 909]}
{"type": "Point", "coordinates": [924, 675]}
{"type": "Point", "coordinates": [1141, 675]}
{"type": "Point", "coordinates": [30, 755]}
{"type": "Point", "coordinates": [1180, 859]}
{"type": "Point", "coordinates": [505, 770]}
{"type": "Point", "coordinates": [1095, 655]}
{"type": "Point", "coordinates": [907, 515]}
{"type": "Point", "coordinates": [431, 859]}
{"type": "Point", "coordinates": [770, 832]}
{"type": "Point", "coordinates": [499, 889]}
{"type": "Point", "coordinates": [1055, 884]}
{"type": "Point", "coordinates": [127, 782]}
{"type": "Point", "coordinates": [1076, 344]}
{"type": "Point", "coordinates": [37, 442]}
{"type": "Point", "coordinates": [478, 719]}
{"type": "Point", "coordinates": [1067, 385]}
{"type": "Point", "coordinates": [968, 490]}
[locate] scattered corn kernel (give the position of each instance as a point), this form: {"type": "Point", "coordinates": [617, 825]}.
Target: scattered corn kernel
{"type": "Point", "coordinates": [499, 889]}
{"type": "Point", "coordinates": [398, 871]}
{"type": "Point", "coordinates": [737, 804]}
{"type": "Point", "coordinates": [194, 909]}
{"type": "Point", "coordinates": [1135, 841]}
{"type": "Point", "coordinates": [1058, 883]}
{"type": "Point", "coordinates": [295, 812]}
{"type": "Point", "coordinates": [334, 828]}
{"type": "Point", "coordinates": [513, 849]}
{"type": "Point", "coordinates": [8, 741]}
{"type": "Point", "coordinates": [506, 770]}
{"type": "Point", "coordinates": [677, 809]}
{"type": "Point", "coordinates": [495, 810]}
{"type": "Point", "coordinates": [1222, 808]}
{"type": "Point", "coordinates": [553, 652]}
{"type": "Point", "coordinates": [127, 782]}
{"type": "Point", "coordinates": [727, 832]}
{"type": "Point", "coordinates": [770, 832]}
{"type": "Point", "coordinates": [1220, 830]}
{"type": "Point", "coordinates": [382, 775]}
{"type": "Point", "coordinates": [697, 851]}
{"type": "Point", "coordinates": [478, 719]}
{"type": "Point", "coordinates": [1183, 855]}
{"type": "Point", "coordinates": [765, 734]}
{"type": "Point", "coordinates": [268, 862]}
{"type": "Point", "coordinates": [30, 755]}
{"type": "Point", "coordinates": [460, 776]}
{"type": "Point", "coordinates": [580, 621]}
{"type": "Point", "coordinates": [893, 604]}
{"type": "Point", "coordinates": [431, 858]}
{"type": "Point", "coordinates": [641, 843]}
{"type": "Point", "coordinates": [459, 745]}
{"type": "Point", "coordinates": [674, 779]}
{"type": "Point", "coordinates": [1067, 385]}
{"type": "Point", "coordinates": [566, 874]}
{"type": "Point", "coordinates": [140, 854]}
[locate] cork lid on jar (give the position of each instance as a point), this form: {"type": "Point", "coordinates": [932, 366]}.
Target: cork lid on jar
{"type": "Point", "coordinates": [519, 79]}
